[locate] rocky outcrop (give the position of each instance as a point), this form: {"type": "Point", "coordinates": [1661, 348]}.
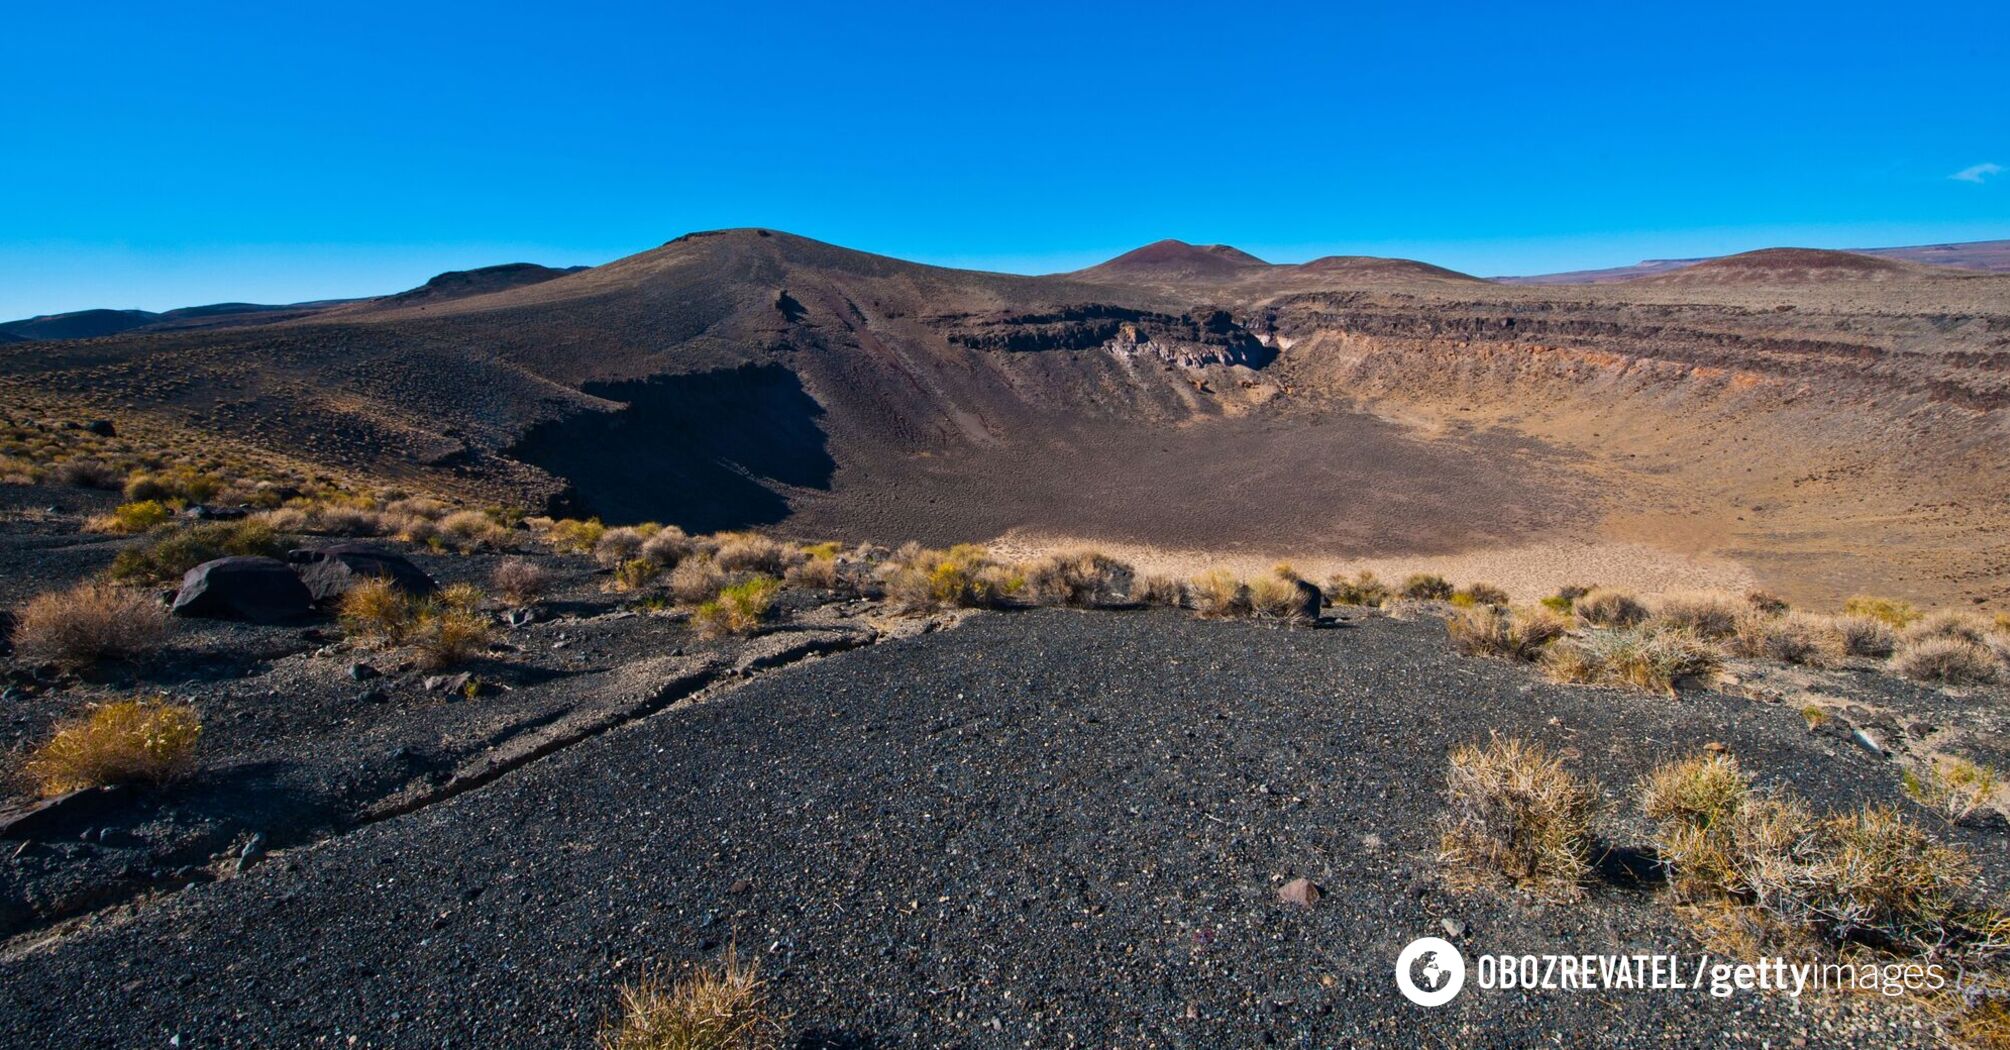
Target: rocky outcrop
{"type": "Point", "coordinates": [260, 590]}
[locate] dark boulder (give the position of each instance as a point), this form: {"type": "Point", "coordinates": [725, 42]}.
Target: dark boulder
{"type": "Point", "coordinates": [1309, 600]}
{"type": "Point", "coordinates": [330, 571]}
{"type": "Point", "coordinates": [102, 428]}
{"type": "Point", "coordinates": [261, 590]}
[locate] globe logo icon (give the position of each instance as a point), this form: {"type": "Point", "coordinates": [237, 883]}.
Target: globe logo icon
{"type": "Point", "coordinates": [1430, 971]}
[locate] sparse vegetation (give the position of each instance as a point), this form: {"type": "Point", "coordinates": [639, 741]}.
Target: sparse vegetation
{"type": "Point", "coordinates": [634, 574]}
{"type": "Point", "coordinates": [1866, 876]}
{"type": "Point", "coordinates": [720, 1007]}
{"type": "Point", "coordinates": [1494, 630]}
{"type": "Point", "coordinates": [1082, 579]}
{"type": "Point", "coordinates": [570, 535]}
{"type": "Point", "coordinates": [131, 518]}
{"type": "Point", "coordinates": [520, 581]}
{"type": "Point", "coordinates": [753, 552]}
{"type": "Point", "coordinates": [1647, 657]}
{"type": "Point", "coordinates": [616, 547]}
{"type": "Point", "coordinates": [667, 547]}
{"type": "Point", "coordinates": [1946, 660]}
{"type": "Point", "coordinates": [963, 576]}
{"type": "Point", "coordinates": [1364, 590]}
{"type": "Point", "coordinates": [1516, 816]}
{"type": "Point", "coordinates": [1605, 607]}
{"type": "Point", "coordinates": [1890, 611]}
{"type": "Point", "coordinates": [89, 623]}
{"type": "Point", "coordinates": [122, 742]}
{"type": "Point", "coordinates": [1711, 615]}
{"type": "Point", "coordinates": [1791, 638]}
{"type": "Point", "coordinates": [1952, 787]}
{"type": "Point", "coordinates": [1160, 590]}
{"type": "Point", "coordinates": [1479, 594]}
{"type": "Point", "coordinates": [173, 553]}
{"type": "Point", "coordinates": [449, 633]}
{"type": "Point", "coordinates": [1865, 635]}
{"type": "Point", "coordinates": [1275, 597]}
{"type": "Point", "coordinates": [1565, 599]}
{"type": "Point", "coordinates": [377, 610]}
{"type": "Point", "coordinates": [1217, 594]}
{"type": "Point", "coordinates": [1766, 602]}
{"type": "Point", "coordinates": [739, 608]}
{"type": "Point", "coordinates": [695, 580]}
{"type": "Point", "coordinates": [1427, 587]}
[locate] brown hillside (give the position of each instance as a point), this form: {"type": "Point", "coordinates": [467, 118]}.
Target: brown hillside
{"type": "Point", "coordinates": [1826, 434]}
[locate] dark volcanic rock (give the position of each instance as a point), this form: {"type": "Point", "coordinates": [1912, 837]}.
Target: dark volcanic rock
{"type": "Point", "coordinates": [50, 815]}
{"type": "Point", "coordinates": [1309, 601]}
{"type": "Point", "coordinates": [261, 590]}
{"type": "Point", "coordinates": [329, 572]}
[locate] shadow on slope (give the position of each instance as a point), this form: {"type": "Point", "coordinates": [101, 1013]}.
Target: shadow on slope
{"type": "Point", "coordinates": [696, 450]}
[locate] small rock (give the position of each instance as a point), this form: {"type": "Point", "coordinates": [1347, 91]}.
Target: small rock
{"type": "Point", "coordinates": [102, 428]}
{"type": "Point", "coordinates": [252, 853]}
{"type": "Point", "coordinates": [1299, 891]}
{"type": "Point", "coordinates": [1868, 741]}
{"type": "Point", "coordinates": [1453, 927]}
{"type": "Point", "coordinates": [362, 672]}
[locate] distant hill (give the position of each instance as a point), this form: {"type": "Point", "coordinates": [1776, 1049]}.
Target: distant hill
{"type": "Point", "coordinates": [1170, 258]}
{"type": "Point", "coordinates": [459, 284]}
{"type": "Point", "coordinates": [93, 324]}
{"type": "Point", "coordinates": [1987, 256]}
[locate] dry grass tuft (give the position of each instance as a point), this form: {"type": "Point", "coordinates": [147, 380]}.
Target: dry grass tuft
{"type": "Point", "coordinates": [570, 535]}
{"type": "Point", "coordinates": [1766, 602]}
{"type": "Point", "coordinates": [1605, 607]}
{"type": "Point", "coordinates": [1953, 788]}
{"type": "Point", "coordinates": [1363, 590]}
{"type": "Point", "coordinates": [1159, 590]}
{"type": "Point", "coordinates": [696, 580]}
{"type": "Point", "coordinates": [1218, 594]}
{"type": "Point", "coordinates": [720, 1007]}
{"type": "Point", "coordinates": [520, 581]}
{"type": "Point", "coordinates": [1865, 635]}
{"type": "Point", "coordinates": [616, 546]}
{"type": "Point", "coordinates": [177, 551]}
{"type": "Point", "coordinates": [124, 742]}
{"type": "Point", "coordinates": [1515, 815]}
{"type": "Point", "coordinates": [753, 552]}
{"type": "Point", "coordinates": [960, 577]}
{"type": "Point", "coordinates": [1891, 611]}
{"type": "Point", "coordinates": [1275, 598]}
{"type": "Point", "coordinates": [1711, 615]}
{"type": "Point", "coordinates": [1427, 587]}
{"type": "Point", "coordinates": [1866, 876]}
{"type": "Point", "coordinates": [1949, 661]}
{"type": "Point", "coordinates": [668, 546]}
{"type": "Point", "coordinates": [1646, 657]}
{"type": "Point", "coordinates": [739, 609]}
{"type": "Point", "coordinates": [1475, 594]}
{"type": "Point", "coordinates": [1494, 630]}
{"type": "Point", "coordinates": [1082, 579]}
{"type": "Point", "coordinates": [633, 575]}
{"type": "Point", "coordinates": [88, 623]}
{"type": "Point", "coordinates": [816, 573]}
{"type": "Point", "coordinates": [446, 635]}
{"type": "Point", "coordinates": [376, 609]}
{"type": "Point", "coordinates": [1791, 638]}
{"type": "Point", "coordinates": [129, 519]}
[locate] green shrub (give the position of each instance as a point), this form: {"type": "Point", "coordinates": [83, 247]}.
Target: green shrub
{"type": "Point", "coordinates": [739, 609]}
{"type": "Point", "coordinates": [1426, 586]}
{"type": "Point", "coordinates": [175, 552]}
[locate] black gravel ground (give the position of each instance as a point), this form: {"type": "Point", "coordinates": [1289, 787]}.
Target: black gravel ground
{"type": "Point", "coordinates": [1039, 829]}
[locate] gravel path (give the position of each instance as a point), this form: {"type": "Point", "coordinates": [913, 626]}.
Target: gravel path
{"type": "Point", "coordinates": [1039, 829]}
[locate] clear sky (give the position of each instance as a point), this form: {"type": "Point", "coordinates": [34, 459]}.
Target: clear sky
{"type": "Point", "coordinates": [159, 155]}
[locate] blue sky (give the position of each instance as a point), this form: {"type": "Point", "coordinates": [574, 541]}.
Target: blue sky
{"type": "Point", "coordinates": [162, 155]}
